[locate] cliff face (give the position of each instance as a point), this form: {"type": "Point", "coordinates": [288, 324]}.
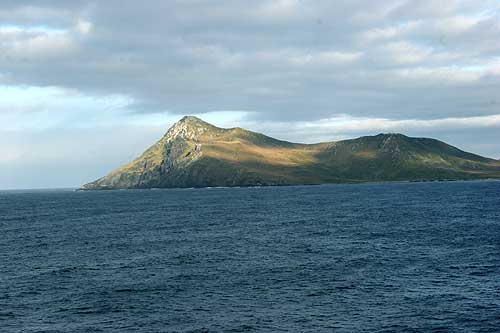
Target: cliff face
{"type": "Point", "coordinates": [194, 153]}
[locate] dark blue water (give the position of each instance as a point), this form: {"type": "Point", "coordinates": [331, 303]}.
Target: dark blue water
{"type": "Point", "coordinates": [373, 257]}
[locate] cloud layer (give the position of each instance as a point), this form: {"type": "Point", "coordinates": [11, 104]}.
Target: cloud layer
{"type": "Point", "coordinates": [297, 69]}
{"type": "Point", "coordinates": [299, 60]}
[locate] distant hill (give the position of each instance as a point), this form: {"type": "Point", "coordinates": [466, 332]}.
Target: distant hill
{"type": "Point", "coordinates": [194, 153]}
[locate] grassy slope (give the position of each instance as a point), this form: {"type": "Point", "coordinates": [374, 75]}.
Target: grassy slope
{"type": "Point", "coordinates": [232, 157]}
{"type": "Point", "coordinates": [381, 157]}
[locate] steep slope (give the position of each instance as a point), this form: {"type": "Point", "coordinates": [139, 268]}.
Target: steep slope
{"type": "Point", "coordinates": [194, 153]}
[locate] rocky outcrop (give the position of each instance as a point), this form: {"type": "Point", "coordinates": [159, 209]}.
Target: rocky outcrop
{"type": "Point", "coordinates": [194, 153]}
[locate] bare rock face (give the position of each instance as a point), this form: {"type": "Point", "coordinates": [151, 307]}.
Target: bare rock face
{"type": "Point", "coordinates": [390, 144]}
{"type": "Point", "coordinates": [175, 151]}
{"type": "Point", "coordinates": [178, 153]}
{"type": "Point", "coordinates": [188, 128]}
{"type": "Point", "coordinates": [194, 153]}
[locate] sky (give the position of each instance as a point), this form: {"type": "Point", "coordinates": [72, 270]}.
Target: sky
{"type": "Point", "coordinates": [86, 86]}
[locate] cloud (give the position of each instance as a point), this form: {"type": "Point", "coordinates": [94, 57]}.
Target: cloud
{"type": "Point", "coordinates": [345, 126]}
{"type": "Point", "coordinates": [457, 24]}
{"type": "Point", "coordinates": [326, 58]}
{"type": "Point", "coordinates": [285, 67]}
{"type": "Point", "coordinates": [280, 9]}
{"type": "Point", "coordinates": [395, 31]}
{"type": "Point", "coordinates": [18, 43]}
{"type": "Point", "coordinates": [475, 134]}
{"type": "Point", "coordinates": [285, 59]}
{"type": "Point", "coordinates": [84, 27]}
{"type": "Point", "coordinates": [357, 125]}
{"type": "Point", "coordinates": [34, 108]}
{"type": "Point", "coordinates": [51, 157]}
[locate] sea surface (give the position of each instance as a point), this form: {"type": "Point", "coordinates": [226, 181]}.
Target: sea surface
{"type": "Point", "coordinates": [349, 258]}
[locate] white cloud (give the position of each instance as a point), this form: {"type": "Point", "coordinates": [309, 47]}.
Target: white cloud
{"type": "Point", "coordinates": [293, 64]}
{"type": "Point", "coordinates": [326, 58]}
{"type": "Point", "coordinates": [280, 59]}
{"type": "Point", "coordinates": [279, 9]}
{"type": "Point", "coordinates": [84, 27]}
{"type": "Point", "coordinates": [346, 124]}
{"type": "Point", "coordinates": [347, 127]}
{"type": "Point", "coordinates": [38, 108]}
{"type": "Point", "coordinates": [437, 76]}
{"type": "Point", "coordinates": [456, 25]}
{"type": "Point", "coordinates": [391, 32]}
{"type": "Point", "coordinates": [404, 52]}
{"type": "Point", "coordinates": [34, 42]}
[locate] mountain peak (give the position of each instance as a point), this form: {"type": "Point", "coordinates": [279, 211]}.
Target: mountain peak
{"type": "Point", "coordinates": [191, 119]}
{"type": "Point", "coordinates": [391, 135]}
{"type": "Point", "coordinates": [189, 127]}
{"type": "Point", "coordinates": [194, 153]}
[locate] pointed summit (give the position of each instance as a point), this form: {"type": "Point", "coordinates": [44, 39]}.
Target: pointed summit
{"type": "Point", "coordinates": [190, 127]}
{"type": "Point", "coordinates": [194, 153]}
{"type": "Point", "coordinates": [191, 120]}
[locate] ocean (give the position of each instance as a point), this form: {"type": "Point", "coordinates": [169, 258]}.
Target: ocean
{"type": "Point", "coordinates": [345, 258]}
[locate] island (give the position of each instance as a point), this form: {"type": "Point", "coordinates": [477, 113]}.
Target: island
{"type": "Point", "coordinates": [194, 153]}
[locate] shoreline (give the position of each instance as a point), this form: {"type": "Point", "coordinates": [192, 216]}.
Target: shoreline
{"type": "Point", "coordinates": [375, 182]}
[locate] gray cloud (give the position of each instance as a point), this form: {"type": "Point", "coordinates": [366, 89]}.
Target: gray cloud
{"type": "Point", "coordinates": [280, 60]}
{"type": "Point", "coordinates": [72, 157]}
{"type": "Point", "coordinates": [93, 83]}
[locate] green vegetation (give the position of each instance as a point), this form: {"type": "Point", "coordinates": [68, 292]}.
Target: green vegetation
{"type": "Point", "coordinates": [194, 153]}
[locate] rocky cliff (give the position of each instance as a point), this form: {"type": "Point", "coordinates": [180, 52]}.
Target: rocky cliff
{"type": "Point", "coordinates": [194, 153]}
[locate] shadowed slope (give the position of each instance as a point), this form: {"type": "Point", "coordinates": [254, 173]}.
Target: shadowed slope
{"type": "Point", "coordinates": [194, 153]}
